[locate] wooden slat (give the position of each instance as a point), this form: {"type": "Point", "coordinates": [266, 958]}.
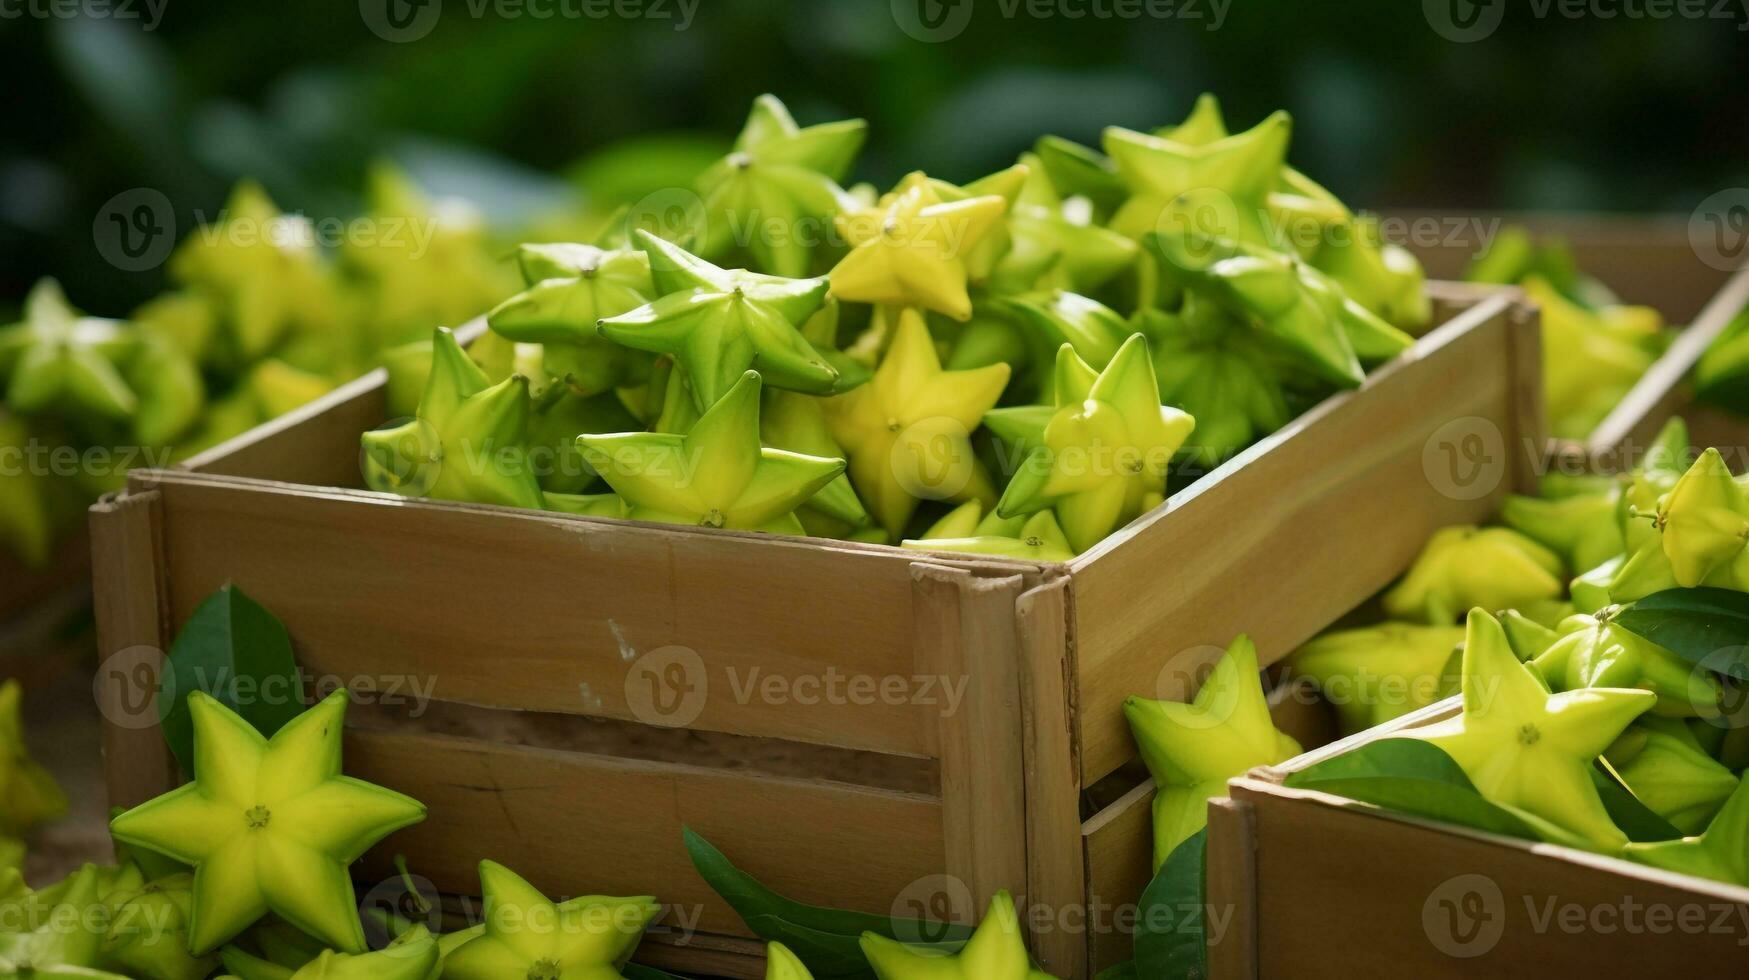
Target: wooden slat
{"type": "Point", "coordinates": [542, 612]}
{"type": "Point", "coordinates": [704, 954]}
{"type": "Point", "coordinates": [577, 824]}
{"type": "Point", "coordinates": [1056, 876]}
{"type": "Point", "coordinates": [127, 563]}
{"type": "Point", "coordinates": [965, 635]}
{"type": "Point", "coordinates": [1296, 530]}
{"type": "Point", "coordinates": [1348, 891]}
{"type": "Point", "coordinates": [1230, 876]}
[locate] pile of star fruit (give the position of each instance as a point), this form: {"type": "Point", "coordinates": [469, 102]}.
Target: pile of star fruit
{"type": "Point", "coordinates": [244, 872]}
{"type": "Point", "coordinates": [1576, 721]}
{"type": "Point", "coordinates": [260, 319]}
{"type": "Point", "coordinates": [1014, 366]}
{"type": "Point", "coordinates": [1595, 347]}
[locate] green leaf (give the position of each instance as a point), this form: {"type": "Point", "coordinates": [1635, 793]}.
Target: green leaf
{"type": "Point", "coordinates": [1170, 941]}
{"type": "Point", "coordinates": [825, 940]}
{"type": "Point", "coordinates": [238, 652]}
{"type": "Point", "coordinates": [1413, 777]}
{"type": "Point", "coordinates": [1707, 626]}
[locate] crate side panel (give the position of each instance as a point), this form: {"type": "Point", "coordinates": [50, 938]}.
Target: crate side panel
{"type": "Point", "coordinates": [1342, 894]}
{"type": "Point", "coordinates": [514, 609]}
{"type": "Point", "coordinates": [577, 824]}
{"type": "Point", "coordinates": [1280, 546]}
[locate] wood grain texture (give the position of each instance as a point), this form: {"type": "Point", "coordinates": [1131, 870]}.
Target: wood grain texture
{"type": "Point", "coordinates": [534, 611]}
{"type": "Point", "coordinates": [1056, 874]}
{"type": "Point", "coordinates": [966, 637]}
{"type": "Point", "coordinates": [577, 824]}
{"type": "Point", "coordinates": [1231, 889]}
{"type": "Point", "coordinates": [1296, 530]}
{"type": "Point", "coordinates": [127, 563]}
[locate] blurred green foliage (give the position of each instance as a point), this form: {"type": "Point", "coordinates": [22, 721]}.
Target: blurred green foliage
{"type": "Point", "coordinates": [1599, 113]}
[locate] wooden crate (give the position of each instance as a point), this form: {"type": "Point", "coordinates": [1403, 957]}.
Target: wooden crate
{"type": "Point", "coordinates": [591, 676]}
{"type": "Point", "coordinates": [1317, 886]}
{"type": "Point", "coordinates": [1646, 261]}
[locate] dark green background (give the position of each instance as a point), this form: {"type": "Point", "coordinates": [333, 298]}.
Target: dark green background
{"type": "Point", "coordinates": [1612, 114]}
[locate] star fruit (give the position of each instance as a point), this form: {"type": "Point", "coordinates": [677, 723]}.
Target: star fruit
{"type": "Point", "coordinates": [1593, 651]}
{"type": "Point", "coordinates": [1663, 763]}
{"type": "Point", "coordinates": [1037, 539]}
{"type": "Point", "coordinates": [715, 475]}
{"type": "Point", "coordinates": [1586, 371]}
{"type": "Point", "coordinates": [1045, 229]}
{"type": "Point", "coordinates": [996, 951]}
{"type": "Point", "coordinates": [467, 443]}
{"type": "Point", "coordinates": [721, 323]}
{"type": "Point", "coordinates": [776, 194]}
{"type": "Point", "coordinates": [1464, 566]}
{"type": "Point", "coordinates": [1528, 749]}
{"type": "Point", "coordinates": [1720, 853]}
{"type": "Point", "coordinates": [1220, 371]}
{"type": "Point", "coordinates": [148, 932]}
{"type": "Point", "coordinates": [570, 289]}
{"type": "Point", "coordinates": [911, 249]}
{"type": "Point", "coordinates": [30, 502]}
{"type": "Point", "coordinates": [526, 935]}
{"type": "Point", "coordinates": [29, 795]}
{"type": "Point", "coordinates": [1173, 184]}
{"type": "Point", "coordinates": [781, 964]}
{"type": "Point", "coordinates": [60, 938]}
{"type": "Point", "coordinates": [1098, 456]}
{"type": "Point", "coordinates": [270, 825]}
{"type": "Point", "coordinates": [1702, 520]}
{"type": "Point", "coordinates": [57, 360]}
{"type": "Point", "coordinates": [1373, 674]}
{"type": "Point", "coordinates": [908, 429]}
{"type": "Point", "coordinates": [1193, 749]}
{"type": "Point", "coordinates": [1584, 529]}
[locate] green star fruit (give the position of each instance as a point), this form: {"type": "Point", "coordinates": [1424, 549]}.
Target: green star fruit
{"type": "Point", "coordinates": [1666, 459]}
{"type": "Point", "coordinates": [467, 443]}
{"type": "Point", "coordinates": [427, 262]}
{"type": "Point", "coordinates": [526, 935]}
{"type": "Point", "coordinates": [781, 964]}
{"type": "Point", "coordinates": [994, 245]}
{"type": "Point", "coordinates": [1039, 538]}
{"type": "Point", "coordinates": [1100, 455]}
{"type": "Point", "coordinates": [1381, 276]}
{"type": "Point", "coordinates": [263, 270]}
{"type": "Point", "coordinates": [776, 195]}
{"type": "Point", "coordinates": [570, 289]}
{"type": "Point", "coordinates": [269, 825]}
{"type": "Point", "coordinates": [719, 324]}
{"type": "Point", "coordinates": [29, 795]}
{"type": "Point", "coordinates": [1218, 370]}
{"type": "Point", "coordinates": [414, 955]}
{"type": "Point", "coordinates": [1081, 171]}
{"type": "Point", "coordinates": [1593, 651]}
{"type": "Point", "coordinates": [969, 520]}
{"type": "Point", "coordinates": [64, 934]}
{"type": "Point", "coordinates": [29, 512]}
{"type": "Point", "coordinates": [1584, 529]}
{"type": "Point", "coordinates": [148, 932]}
{"type": "Point", "coordinates": [1702, 520]}
{"type": "Point", "coordinates": [1172, 181]}
{"type": "Point", "coordinates": [1464, 566]}
{"type": "Point", "coordinates": [56, 360]}
{"type": "Point", "coordinates": [715, 475]}
{"type": "Point", "coordinates": [1662, 762]}
{"type": "Point", "coordinates": [1374, 674]}
{"type": "Point", "coordinates": [996, 951]}
{"type": "Point", "coordinates": [797, 423]}
{"type": "Point", "coordinates": [1720, 853]}
{"type": "Point", "coordinates": [1048, 320]}
{"type": "Point", "coordinates": [1586, 371]}
{"type": "Point", "coordinates": [171, 393]}
{"type": "Point", "coordinates": [908, 429]}
{"type": "Point", "coordinates": [915, 248]}
{"type": "Point", "coordinates": [187, 319]}
{"type": "Point", "coordinates": [1046, 231]}
{"type": "Point", "coordinates": [1193, 749]}
{"type": "Point", "coordinates": [1528, 637]}
{"type": "Point", "coordinates": [1528, 749]}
